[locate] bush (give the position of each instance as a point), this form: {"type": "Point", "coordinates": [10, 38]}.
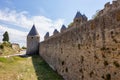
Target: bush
{"type": "Point", "coordinates": [7, 44]}
{"type": "Point", "coordinates": [24, 47]}
{"type": "Point", "coordinates": [1, 46]}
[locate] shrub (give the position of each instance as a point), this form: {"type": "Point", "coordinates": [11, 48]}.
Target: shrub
{"type": "Point", "coordinates": [24, 47]}
{"type": "Point", "coordinates": [1, 46]}
{"type": "Point", "coordinates": [7, 44]}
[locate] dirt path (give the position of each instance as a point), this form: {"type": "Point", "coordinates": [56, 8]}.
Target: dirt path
{"type": "Point", "coordinates": [16, 54]}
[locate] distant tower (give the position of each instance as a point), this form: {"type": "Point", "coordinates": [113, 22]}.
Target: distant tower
{"type": "Point", "coordinates": [63, 28]}
{"type": "Point", "coordinates": [33, 42]}
{"type": "Point", "coordinates": [79, 19]}
{"type": "Point", "coordinates": [46, 36]}
{"type": "Point", "coordinates": [55, 32]}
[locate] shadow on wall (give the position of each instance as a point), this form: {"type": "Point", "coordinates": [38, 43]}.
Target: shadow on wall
{"type": "Point", "coordinates": [43, 71]}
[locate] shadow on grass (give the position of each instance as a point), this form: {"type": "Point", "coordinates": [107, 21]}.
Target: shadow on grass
{"type": "Point", "coordinates": [43, 71]}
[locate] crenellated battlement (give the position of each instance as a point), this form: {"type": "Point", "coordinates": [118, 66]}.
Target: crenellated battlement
{"type": "Point", "coordinates": [78, 20]}
{"type": "Point", "coordinates": [109, 7]}
{"type": "Point", "coordinates": [81, 19]}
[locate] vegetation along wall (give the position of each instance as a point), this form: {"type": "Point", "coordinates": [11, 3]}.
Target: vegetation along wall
{"type": "Point", "coordinates": [90, 51]}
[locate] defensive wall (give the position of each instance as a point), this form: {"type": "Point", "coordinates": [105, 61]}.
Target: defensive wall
{"type": "Point", "coordinates": [90, 51]}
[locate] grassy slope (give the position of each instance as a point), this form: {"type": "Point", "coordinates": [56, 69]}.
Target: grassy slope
{"type": "Point", "coordinates": [31, 68]}
{"type": "Point", "coordinates": [7, 51]}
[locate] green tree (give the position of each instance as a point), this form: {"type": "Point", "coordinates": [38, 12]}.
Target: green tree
{"type": "Point", "coordinates": [96, 14]}
{"type": "Point", "coordinates": [6, 36]}
{"type": "Point", "coordinates": [70, 25]}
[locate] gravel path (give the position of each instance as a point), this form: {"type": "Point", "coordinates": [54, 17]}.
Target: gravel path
{"type": "Point", "coordinates": [21, 53]}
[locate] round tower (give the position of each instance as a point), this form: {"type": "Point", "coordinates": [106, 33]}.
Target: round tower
{"type": "Point", "coordinates": [79, 19]}
{"type": "Point", "coordinates": [33, 39]}
{"type": "Point", "coordinates": [63, 28]}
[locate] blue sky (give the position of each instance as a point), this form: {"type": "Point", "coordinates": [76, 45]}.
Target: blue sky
{"type": "Point", "coordinates": [18, 16]}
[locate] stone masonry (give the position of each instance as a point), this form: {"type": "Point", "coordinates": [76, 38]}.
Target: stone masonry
{"type": "Point", "coordinates": [90, 51]}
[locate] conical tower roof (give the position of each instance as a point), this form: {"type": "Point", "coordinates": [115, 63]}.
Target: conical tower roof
{"type": "Point", "coordinates": [47, 34]}
{"type": "Point", "coordinates": [63, 27]}
{"type": "Point", "coordinates": [55, 32]}
{"type": "Point", "coordinates": [84, 16]}
{"type": "Point", "coordinates": [78, 15]}
{"type": "Point", "coordinates": [33, 31]}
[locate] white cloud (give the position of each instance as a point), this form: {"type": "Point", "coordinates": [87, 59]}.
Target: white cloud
{"type": "Point", "coordinates": [24, 20]}
{"type": "Point", "coordinates": [16, 36]}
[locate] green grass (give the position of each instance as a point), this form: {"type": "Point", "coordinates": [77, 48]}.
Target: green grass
{"type": "Point", "coordinates": [2, 59]}
{"type": "Point", "coordinates": [6, 49]}
{"type": "Point", "coordinates": [43, 71]}
{"type": "Point", "coordinates": [31, 68]}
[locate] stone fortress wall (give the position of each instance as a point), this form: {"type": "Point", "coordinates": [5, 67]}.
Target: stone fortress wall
{"type": "Point", "coordinates": [90, 51]}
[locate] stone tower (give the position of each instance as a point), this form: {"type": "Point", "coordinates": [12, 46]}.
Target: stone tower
{"type": "Point", "coordinates": [63, 28]}
{"type": "Point", "coordinates": [79, 19]}
{"type": "Point", "coordinates": [55, 32]}
{"type": "Point", "coordinates": [33, 42]}
{"type": "Point", "coordinates": [46, 36]}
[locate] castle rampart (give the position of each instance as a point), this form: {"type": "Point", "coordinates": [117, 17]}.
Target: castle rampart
{"type": "Point", "coordinates": [90, 51]}
{"type": "Point", "coordinates": [109, 7]}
